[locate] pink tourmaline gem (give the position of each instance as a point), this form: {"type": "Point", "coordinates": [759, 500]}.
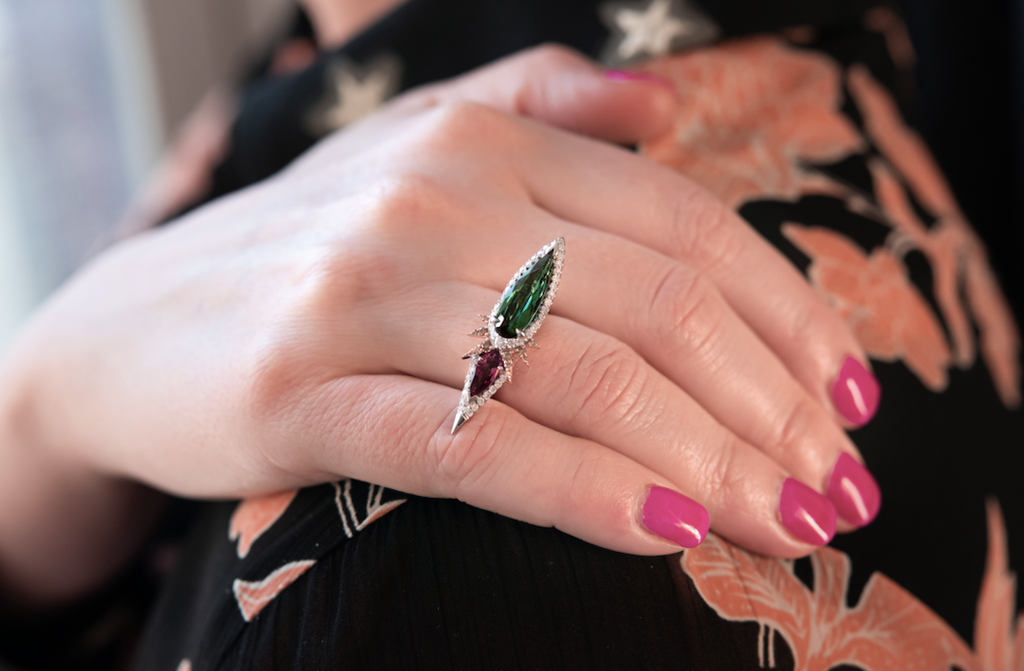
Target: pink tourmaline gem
{"type": "Point", "coordinates": [487, 368]}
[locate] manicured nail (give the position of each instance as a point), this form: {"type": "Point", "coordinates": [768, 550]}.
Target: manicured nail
{"type": "Point", "coordinates": [853, 491]}
{"type": "Point", "coordinates": [675, 517]}
{"type": "Point", "coordinates": [856, 392]}
{"type": "Point", "coordinates": [636, 76]}
{"type": "Point", "coordinates": [807, 514]}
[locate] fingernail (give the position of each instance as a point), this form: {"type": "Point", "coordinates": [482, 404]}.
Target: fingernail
{"type": "Point", "coordinates": [675, 517]}
{"type": "Point", "coordinates": [856, 392]}
{"type": "Point", "coordinates": [853, 491]}
{"type": "Point", "coordinates": [807, 514]}
{"type": "Point", "coordinates": [636, 76]}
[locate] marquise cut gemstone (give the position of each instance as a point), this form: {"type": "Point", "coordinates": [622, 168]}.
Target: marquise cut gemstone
{"type": "Point", "coordinates": [521, 303]}
{"type": "Point", "coordinates": [487, 368]}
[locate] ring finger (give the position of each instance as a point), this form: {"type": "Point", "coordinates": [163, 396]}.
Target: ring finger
{"type": "Point", "coordinates": [587, 384]}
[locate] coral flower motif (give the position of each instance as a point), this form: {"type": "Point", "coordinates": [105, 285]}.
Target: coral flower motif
{"type": "Point", "coordinates": [254, 516]}
{"type": "Point", "coordinates": [756, 110]}
{"type": "Point", "coordinates": [253, 596]}
{"type": "Point", "coordinates": [758, 113]}
{"type": "Point", "coordinates": [957, 256]}
{"type": "Point", "coordinates": [887, 630]}
{"type": "Point", "coordinates": [875, 297]}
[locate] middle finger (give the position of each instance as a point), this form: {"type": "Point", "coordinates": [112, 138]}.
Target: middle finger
{"type": "Point", "coordinates": [678, 321]}
{"type": "Point", "coordinates": [587, 384]}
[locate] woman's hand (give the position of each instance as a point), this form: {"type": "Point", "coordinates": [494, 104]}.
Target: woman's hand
{"type": "Point", "coordinates": [312, 327]}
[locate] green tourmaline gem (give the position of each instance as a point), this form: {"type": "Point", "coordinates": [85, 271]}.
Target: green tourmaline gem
{"type": "Point", "coordinates": [522, 301]}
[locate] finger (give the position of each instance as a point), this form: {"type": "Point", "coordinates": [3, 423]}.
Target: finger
{"type": "Point", "coordinates": [586, 384]}
{"type": "Point", "coordinates": [676, 319]}
{"type": "Point", "coordinates": [679, 322]}
{"type": "Point", "coordinates": [560, 87]}
{"type": "Point", "coordinates": [612, 190]}
{"type": "Point", "coordinates": [660, 307]}
{"type": "Point", "coordinates": [395, 430]}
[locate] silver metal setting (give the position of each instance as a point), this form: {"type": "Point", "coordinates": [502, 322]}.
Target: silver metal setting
{"type": "Point", "coordinates": [510, 349]}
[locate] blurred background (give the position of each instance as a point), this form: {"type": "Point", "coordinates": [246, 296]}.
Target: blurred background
{"type": "Point", "coordinates": [91, 91]}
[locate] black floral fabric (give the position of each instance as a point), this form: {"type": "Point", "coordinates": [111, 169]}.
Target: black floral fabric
{"type": "Point", "coordinates": [354, 575]}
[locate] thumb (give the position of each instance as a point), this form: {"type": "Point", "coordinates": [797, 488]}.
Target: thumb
{"type": "Point", "coordinates": [560, 87]}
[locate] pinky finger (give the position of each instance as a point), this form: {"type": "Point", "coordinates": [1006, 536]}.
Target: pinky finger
{"type": "Point", "coordinates": [396, 431]}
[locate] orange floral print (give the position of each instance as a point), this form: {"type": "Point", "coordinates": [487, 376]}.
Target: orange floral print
{"type": "Point", "coordinates": [366, 513]}
{"type": "Point", "coordinates": [998, 643]}
{"type": "Point", "coordinates": [888, 629]}
{"type": "Point", "coordinates": [874, 295]}
{"type": "Point", "coordinates": [253, 597]}
{"type": "Point", "coordinates": [897, 37]}
{"type": "Point", "coordinates": [253, 517]}
{"type": "Point", "coordinates": [957, 256]}
{"type": "Point", "coordinates": [755, 111]}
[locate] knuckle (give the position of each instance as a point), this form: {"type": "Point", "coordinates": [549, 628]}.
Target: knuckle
{"type": "Point", "coordinates": [552, 55]}
{"type": "Point", "coordinates": [705, 232]}
{"type": "Point", "coordinates": [276, 365]}
{"type": "Point", "coordinates": [799, 422]}
{"type": "Point", "coordinates": [609, 383]}
{"type": "Point", "coordinates": [693, 313]}
{"type": "Point", "coordinates": [580, 484]}
{"type": "Point", "coordinates": [682, 296]}
{"type": "Point", "coordinates": [460, 125]}
{"type": "Point", "coordinates": [401, 201]}
{"type": "Point", "coordinates": [333, 275]}
{"type": "Point", "coordinates": [803, 324]}
{"type": "Point", "coordinates": [271, 383]}
{"type": "Point", "coordinates": [282, 366]}
{"type": "Point", "coordinates": [468, 461]}
{"type": "Point", "coordinates": [332, 280]}
{"type": "Point", "coordinates": [719, 474]}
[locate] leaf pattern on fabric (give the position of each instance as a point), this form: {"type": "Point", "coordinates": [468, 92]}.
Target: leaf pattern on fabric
{"type": "Point", "coordinates": [888, 629]}
{"type": "Point", "coordinates": [887, 314]}
{"type": "Point", "coordinates": [760, 116]}
{"type": "Point", "coordinates": [998, 635]}
{"type": "Point", "coordinates": [957, 255]}
{"type": "Point", "coordinates": [253, 597]}
{"type": "Point", "coordinates": [897, 38]}
{"type": "Point", "coordinates": [253, 517]}
{"type": "Point", "coordinates": [355, 518]}
{"type": "Point", "coordinates": [357, 503]}
{"type": "Point", "coordinates": [756, 111]}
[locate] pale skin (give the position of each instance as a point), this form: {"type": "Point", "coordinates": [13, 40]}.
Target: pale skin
{"type": "Point", "coordinates": [311, 328]}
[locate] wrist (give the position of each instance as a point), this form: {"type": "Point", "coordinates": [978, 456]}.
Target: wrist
{"type": "Point", "coordinates": [65, 529]}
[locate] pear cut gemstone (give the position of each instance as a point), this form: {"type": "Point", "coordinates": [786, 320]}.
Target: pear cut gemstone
{"type": "Point", "coordinates": [521, 303]}
{"type": "Point", "coordinates": [488, 365]}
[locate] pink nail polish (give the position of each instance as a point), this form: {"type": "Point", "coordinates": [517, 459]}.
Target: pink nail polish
{"type": "Point", "coordinates": [807, 514]}
{"type": "Point", "coordinates": [675, 517]}
{"type": "Point", "coordinates": [853, 491]}
{"type": "Point", "coordinates": [636, 76]}
{"type": "Point", "coordinates": [856, 392]}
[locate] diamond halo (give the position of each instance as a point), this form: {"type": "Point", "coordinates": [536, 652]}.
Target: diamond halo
{"type": "Point", "coordinates": [509, 349]}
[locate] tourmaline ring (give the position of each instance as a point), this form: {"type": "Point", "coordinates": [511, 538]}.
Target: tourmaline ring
{"type": "Point", "coordinates": [510, 328]}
